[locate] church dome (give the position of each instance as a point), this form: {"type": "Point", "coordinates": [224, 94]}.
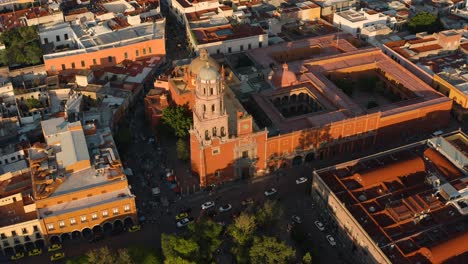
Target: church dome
{"type": "Point", "coordinates": [208, 73]}
{"type": "Point", "coordinates": [284, 77]}
{"type": "Point", "coordinates": [200, 62]}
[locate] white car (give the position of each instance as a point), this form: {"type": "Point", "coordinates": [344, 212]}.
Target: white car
{"type": "Point", "coordinates": [207, 205]}
{"type": "Point", "coordinates": [331, 240]}
{"type": "Point", "coordinates": [270, 192]}
{"type": "Point", "coordinates": [301, 180]}
{"type": "Point", "coordinates": [183, 222]}
{"type": "Point", "coordinates": [296, 219]}
{"type": "Point", "coordinates": [225, 208]}
{"type": "Point", "coordinates": [319, 225]}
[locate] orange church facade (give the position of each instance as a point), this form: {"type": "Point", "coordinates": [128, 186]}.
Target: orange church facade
{"type": "Point", "coordinates": [309, 117]}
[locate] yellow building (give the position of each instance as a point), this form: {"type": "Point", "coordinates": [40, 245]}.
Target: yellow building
{"type": "Point", "coordinates": [458, 93]}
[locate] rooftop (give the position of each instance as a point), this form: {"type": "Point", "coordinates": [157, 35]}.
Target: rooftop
{"type": "Point", "coordinates": [412, 201]}
{"type": "Point", "coordinates": [226, 32]}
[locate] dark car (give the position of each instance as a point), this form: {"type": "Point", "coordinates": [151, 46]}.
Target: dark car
{"type": "Point", "coordinates": [247, 201]}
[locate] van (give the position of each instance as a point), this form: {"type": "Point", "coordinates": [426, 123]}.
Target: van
{"type": "Point", "coordinates": [437, 133]}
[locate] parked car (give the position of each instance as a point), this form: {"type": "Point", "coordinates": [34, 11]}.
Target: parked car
{"type": "Point", "coordinates": [247, 201]}
{"type": "Point", "coordinates": [17, 256]}
{"type": "Point", "coordinates": [57, 256]}
{"type": "Point", "coordinates": [181, 216]}
{"type": "Point", "coordinates": [134, 228]}
{"type": "Point", "coordinates": [155, 191]}
{"type": "Point", "coordinates": [296, 219]}
{"type": "Point", "coordinates": [225, 208]}
{"type": "Point", "coordinates": [331, 240]}
{"type": "Point", "coordinates": [35, 252]}
{"type": "Point", "coordinates": [207, 205]}
{"type": "Point", "coordinates": [319, 225]}
{"type": "Point", "coordinates": [184, 222]}
{"type": "Point", "coordinates": [301, 180]}
{"type": "Point", "coordinates": [54, 247]}
{"type": "Point", "coordinates": [270, 192]}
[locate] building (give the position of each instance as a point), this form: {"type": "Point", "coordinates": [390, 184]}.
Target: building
{"type": "Point", "coordinates": [353, 22]}
{"type": "Point", "coordinates": [439, 59]}
{"type": "Point", "coordinates": [45, 14]}
{"type": "Point", "coordinates": [181, 7]}
{"type": "Point", "coordinates": [120, 31]}
{"type": "Point", "coordinates": [329, 7]}
{"type": "Point", "coordinates": [405, 205]}
{"type": "Point", "coordinates": [155, 102]}
{"type": "Point", "coordinates": [298, 113]}
{"type": "Point", "coordinates": [79, 186]}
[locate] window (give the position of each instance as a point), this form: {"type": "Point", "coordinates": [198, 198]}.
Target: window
{"type": "Point", "coordinates": [144, 51]}
{"type": "Point", "coordinates": [63, 67]}
{"type": "Point", "coordinates": [218, 51]}
{"type": "Point", "coordinates": [126, 55]}
{"type": "Point", "coordinates": [223, 133]}
{"type": "Point", "coordinates": [245, 154]}
{"type": "Point", "coordinates": [13, 233]}
{"type": "Point", "coordinates": [2, 235]}
{"type": "Point", "coordinates": [260, 44]}
{"type": "Point", "coordinates": [94, 216]}
{"type": "Point", "coordinates": [241, 47]}
{"type": "Point", "coordinates": [149, 50]}
{"type": "Point", "coordinates": [105, 213]}
{"type": "Point", "coordinates": [109, 59]}
{"type": "Point", "coordinates": [35, 228]}
{"type": "Point", "coordinates": [215, 151]}
{"type": "Point", "coordinates": [50, 226]}
{"type": "Point", "coordinates": [24, 231]}
{"type": "Point", "coordinates": [213, 108]}
{"type": "Point", "coordinates": [65, 36]}
{"type": "Point", "coordinates": [72, 221]}
{"type": "Point", "coordinates": [115, 210]}
{"type": "Point", "coordinates": [214, 131]}
{"type": "Point", "coordinates": [211, 91]}
{"type": "Point", "coordinates": [229, 50]}
{"type": "Point", "coordinates": [73, 65]}
{"type": "Point", "coordinates": [83, 218]}
{"type": "Point", "coordinates": [137, 53]}
{"type": "Point", "coordinates": [207, 136]}
{"type": "Point", "coordinates": [94, 62]}
{"type": "Point", "coordinates": [250, 46]}
{"type": "Point", "coordinates": [17, 241]}
{"type": "Point", "coordinates": [217, 173]}
{"type": "Point", "coordinates": [61, 224]}
{"type": "Point", "coordinates": [38, 236]}
{"type": "Point", "coordinates": [126, 208]}
{"type": "Point", "coordinates": [83, 64]}
{"type": "Point", "coordinates": [46, 40]}
{"type": "Point", "coordinates": [57, 38]}
{"type": "Point", "coordinates": [6, 244]}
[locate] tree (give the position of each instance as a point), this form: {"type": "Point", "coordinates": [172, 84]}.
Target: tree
{"type": "Point", "coordinates": [182, 150]}
{"type": "Point", "coordinates": [269, 213]}
{"type": "Point", "coordinates": [425, 22]}
{"type": "Point", "coordinates": [142, 255]}
{"type": "Point", "coordinates": [22, 46]}
{"type": "Point", "coordinates": [307, 258]}
{"type": "Point", "coordinates": [267, 250]}
{"type": "Point", "coordinates": [242, 229]}
{"type": "Point", "coordinates": [32, 103]}
{"type": "Point", "coordinates": [207, 234]}
{"type": "Point", "coordinates": [100, 256]}
{"type": "Point", "coordinates": [175, 247]}
{"type": "Point", "coordinates": [178, 118]}
{"type": "Point", "coordinates": [123, 257]}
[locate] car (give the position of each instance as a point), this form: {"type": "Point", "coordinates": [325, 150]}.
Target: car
{"type": "Point", "coordinates": [207, 205]}
{"type": "Point", "coordinates": [296, 219]}
{"type": "Point", "coordinates": [134, 228]}
{"type": "Point", "coordinates": [181, 216]}
{"type": "Point", "coordinates": [247, 201]}
{"type": "Point", "coordinates": [270, 192]}
{"type": "Point", "coordinates": [155, 191]}
{"type": "Point", "coordinates": [319, 225]}
{"type": "Point", "coordinates": [17, 256]}
{"type": "Point", "coordinates": [225, 208]}
{"type": "Point", "coordinates": [301, 180]}
{"type": "Point", "coordinates": [331, 240]}
{"type": "Point", "coordinates": [54, 247]}
{"type": "Point", "coordinates": [184, 222]}
{"type": "Point", "coordinates": [57, 256]}
{"type": "Point", "coordinates": [35, 252]}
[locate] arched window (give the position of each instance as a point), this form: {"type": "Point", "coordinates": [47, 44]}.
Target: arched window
{"type": "Point", "coordinates": [223, 133]}
{"type": "Point", "coordinates": [204, 108]}
{"type": "Point", "coordinates": [211, 91]}
{"type": "Point", "coordinates": [214, 131]}
{"type": "Point", "coordinates": [204, 91]}
{"type": "Point", "coordinates": [207, 136]}
{"type": "Point", "coordinates": [212, 108]}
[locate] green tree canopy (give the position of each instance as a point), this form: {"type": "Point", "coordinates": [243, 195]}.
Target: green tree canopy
{"type": "Point", "coordinates": [175, 247]}
{"type": "Point", "coordinates": [425, 22]}
{"type": "Point", "coordinates": [267, 250]}
{"type": "Point", "coordinates": [22, 46]}
{"type": "Point", "coordinates": [269, 213]}
{"type": "Point", "coordinates": [242, 229]}
{"type": "Point", "coordinates": [182, 150]}
{"type": "Point", "coordinates": [178, 118]}
{"type": "Point", "coordinates": [307, 258]}
{"type": "Point", "coordinates": [208, 236]}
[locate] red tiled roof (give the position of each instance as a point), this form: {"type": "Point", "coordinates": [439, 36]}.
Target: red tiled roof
{"type": "Point", "coordinates": [427, 48]}
{"type": "Point", "coordinates": [451, 248]}
{"type": "Point", "coordinates": [421, 40]}
{"type": "Point", "coordinates": [446, 167]}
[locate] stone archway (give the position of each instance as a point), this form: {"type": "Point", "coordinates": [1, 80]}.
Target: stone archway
{"type": "Point", "coordinates": [297, 161]}
{"type": "Point", "coordinates": [76, 234]}
{"type": "Point", "coordinates": [97, 229]}
{"type": "Point", "coordinates": [118, 224]}
{"type": "Point", "coordinates": [40, 243]}
{"type": "Point", "coordinates": [29, 246]}
{"type": "Point", "coordinates": [19, 248]}
{"type": "Point", "coordinates": [310, 157]}
{"type": "Point", "coordinates": [107, 228]}
{"type": "Point", "coordinates": [128, 222]}
{"type": "Point", "coordinates": [87, 233]}
{"type": "Point", "coordinates": [55, 240]}
{"type": "Point", "coordinates": [65, 236]}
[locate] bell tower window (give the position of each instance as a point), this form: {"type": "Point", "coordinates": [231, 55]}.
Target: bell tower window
{"type": "Point", "coordinates": [214, 131]}
{"type": "Point", "coordinates": [211, 90]}
{"type": "Point", "coordinates": [212, 108]}
{"type": "Point", "coordinates": [207, 135]}
{"type": "Point", "coordinates": [223, 133]}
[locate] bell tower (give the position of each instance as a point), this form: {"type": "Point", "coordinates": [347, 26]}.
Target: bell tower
{"type": "Point", "coordinates": [210, 119]}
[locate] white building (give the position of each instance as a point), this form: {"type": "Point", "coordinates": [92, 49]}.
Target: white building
{"type": "Point", "coordinates": [181, 7]}
{"type": "Point", "coordinates": [352, 21]}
